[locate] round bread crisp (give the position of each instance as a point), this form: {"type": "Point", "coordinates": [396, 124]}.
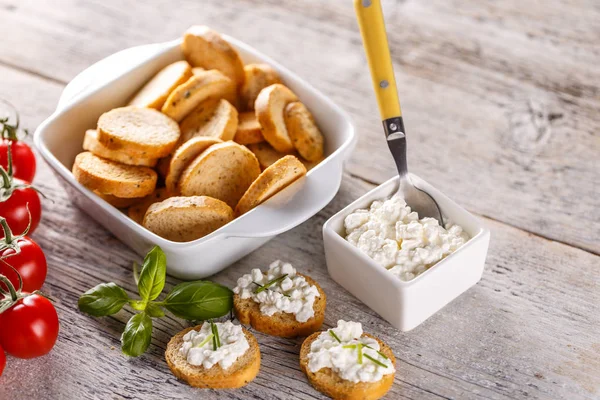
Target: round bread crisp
{"type": "Point", "coordinates": [141, 132]}
{"type": "Point", "coordinates": [116, 202]}
{"type": "Point", "coordinates": [183, 156]}
{"type": "Point", "coordinates": [201, 86]}
{"type": "Point", "coordinates": [154, 93]}
{"type": "Point", "coordinates": [242, 372]}
{"type": "Point", "coordinates": [223, 171]}
{"type": "Point", "coordinates": [213, 118]}
{"type": "Point", "coordinates": [258, 77]}
{"type": "Point", "coordinates": [265, 153]}
{"type": "Point", "coordinates": [248, 130]}
{"type": "Point", "coordinates": [91, 143]}
{"type": "Point", "coordinates": [183, 219]}
{"type": "Point", "coordinates": [270, 108]}
{"type": "Point", "coordinates": [272, 180]}
{"type": "Point", "coordinates": [281, 324]}
{"type": "Point", "coordinates": [109, 177]}
{"type": "Point", "coordinates": [205, 48]}
{"type": "Point", "coordinates": [331, 384]}
{"type": "Point", "coordinates": [137, 211]}
{"type": "Point", "coordinates": [303, 131]}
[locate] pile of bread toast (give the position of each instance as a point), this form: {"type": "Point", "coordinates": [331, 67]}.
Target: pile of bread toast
{"type": "Point", "coordinates": [204, 141]}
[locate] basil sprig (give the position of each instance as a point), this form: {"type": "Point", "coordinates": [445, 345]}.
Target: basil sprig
{"type": "Point", "coordinates": [197, 300]}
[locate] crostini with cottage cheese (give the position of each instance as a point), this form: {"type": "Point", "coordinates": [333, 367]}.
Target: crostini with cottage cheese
{"type": "Point", "coordinates": [214, 355]}
{"type": "Point", "coordinates": [345, 363]}
{"type": "Point", "coordinates": [280, 302]}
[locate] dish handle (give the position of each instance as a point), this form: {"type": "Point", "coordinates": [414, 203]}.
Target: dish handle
{"type": "Point", "coordinates": [101, 72]}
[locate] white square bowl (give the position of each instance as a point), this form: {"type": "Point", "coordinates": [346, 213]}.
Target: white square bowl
{"type": "Point", "coordinates": [406, 304]}
{"type": "Point", "coordinates": [111, 82]}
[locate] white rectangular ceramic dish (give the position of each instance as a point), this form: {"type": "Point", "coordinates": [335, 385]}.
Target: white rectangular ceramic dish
{"type": "Point", "coordinates": [111, 82]}
{"type": "Point", "coordinates": [406, 304]}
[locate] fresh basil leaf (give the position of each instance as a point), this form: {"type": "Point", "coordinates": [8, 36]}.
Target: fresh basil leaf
{"type": "Point", "coordinates": [199, 300]}
{"type": "Point", "coordinates": [138, 305]}
{"type": "Point", "coordinates": [154, 310]}
{"type": "Point", "coordinates": [153, 274]}
{"type": "Point", "coordinates": [102, 300]}
{"type": "Point", "coordinates": [137, 335]}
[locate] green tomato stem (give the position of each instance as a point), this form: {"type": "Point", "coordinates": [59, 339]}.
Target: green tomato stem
{"type": "Point", "coordinates": [11, 288]}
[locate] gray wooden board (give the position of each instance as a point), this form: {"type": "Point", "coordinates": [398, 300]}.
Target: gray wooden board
{"type": "Point", "coordinates": [529, 329]}
{"type": "Point", "coordinates": [498, 99]}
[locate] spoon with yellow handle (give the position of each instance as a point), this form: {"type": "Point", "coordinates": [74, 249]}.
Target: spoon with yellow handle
{"type": "Point", "coordinates": [372, 28]}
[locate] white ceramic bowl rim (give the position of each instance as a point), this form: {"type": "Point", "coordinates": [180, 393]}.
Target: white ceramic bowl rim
{"type": "Point", "coordinates": [365, 258]}
{"type": "Point", "coordinates": [66, 103]}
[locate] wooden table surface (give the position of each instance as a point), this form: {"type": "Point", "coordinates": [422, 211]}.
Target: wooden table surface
{"type": "Point", "coordinates": [502, 105]}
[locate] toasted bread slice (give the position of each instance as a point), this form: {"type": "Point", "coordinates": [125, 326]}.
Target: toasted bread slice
{"type": "Point", "coordinates": [248, 130]}
{"type": "Point", "coordinates": [212, 118]}
{"type": "Point", "coordinates": [303, 131]}
{"type": "Point", "coordinates": [91, 143]}
{"type": "Point", "coordinates": [116, 202]}
{"type": "Point", "coordinates": [201, 86]}
{"type": "Point", "coordinates": [183, 219]}
{"type": "Point", "coordinates": [275, 178]}
{"type": "Point", "coordinates": [329, 383]}
{"type": "Point", "coordinates": [265, 153]}
{"type": "Point", "coordinates": [137, 211]}
{"type": "Point", "coordinates": [109, 177]}
{"type": "Point", "coordinates": [141, 132]}
{"type": "Point", "coordinates": [247, 311]}
{"type": "Point", "coordinates": [242, 372]}
{"type": "Point", "coordinates": [257, 77]}
{"type": "Point", "coordinates": [183, 156]}
{"type": "Point", "coordinates": [154, 93]}
{"type": "Point", "coordinates": [223, 171]}
{"type": "Point", "coordinates": [270, 107]}
{"type": "Point", "coordinates": [205, 48]}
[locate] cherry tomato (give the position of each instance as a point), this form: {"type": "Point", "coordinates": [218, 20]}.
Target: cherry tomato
{"type": "Point", "coordinates": [2, 360]}
{"type": "Point", "coordinates": [23, 159]}
{"type": "Point", "coordinates": [29, 328]}
{"type": "Point", "coordinates": [14, 209]}
{"type": "Point", "coordinates": [30, 263]}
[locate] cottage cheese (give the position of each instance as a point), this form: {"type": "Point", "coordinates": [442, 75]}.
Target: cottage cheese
{"type": "Point", "coordinates": [292, 295]}
{"type": "Point", "coordinates": [393, 235]}
{"type": "Point", "coordinates": [327, 352]}
{"type": "Point", "coordinates": [233, 345]}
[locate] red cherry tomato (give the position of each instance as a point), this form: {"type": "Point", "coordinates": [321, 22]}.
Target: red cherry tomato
{"type": "Point", "coordinates": [2, 360]}
{"type": "Point", "coordinates": [23, 159]}
{"type": "Point", "coordinates": [14, 209]}
{"type": "Point", "coordinates": [30, 263]}
{"type": "Point", "coordinates": [29, 328]}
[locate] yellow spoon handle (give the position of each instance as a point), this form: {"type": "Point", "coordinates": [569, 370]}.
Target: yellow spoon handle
{"type": "Point", "coordinates": [372, 29]}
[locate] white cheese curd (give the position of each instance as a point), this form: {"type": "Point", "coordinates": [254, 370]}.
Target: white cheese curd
{"type": "Point", "coordinates": [393, 235]}
{"type": "Point", "coordinates": [198, 350]}
{"type": "Point", "coordinates": [292, 294]}
{"type": "Point", "coordinates": [343, 356]}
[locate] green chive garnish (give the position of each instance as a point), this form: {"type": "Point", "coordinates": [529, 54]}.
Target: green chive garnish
{"type": "Point", "coordinates": [270, 283]}
{"type": "Point", "coordinates": [360, 353]}
{"type": "Point", "coordinates": [206, 340]}
{"type": "Point", "coordinates": [332, 333]}
{"type": "Point", "coordinates": [378, 352]}
{"type": "Point", "coordinates": [376, 361]}
{"type": "Point", "coordinates": [215, 332]}
{"type": "Point", "coordinates": [349, 346]}
{"type": "Point", "coordinates": [257, 284]}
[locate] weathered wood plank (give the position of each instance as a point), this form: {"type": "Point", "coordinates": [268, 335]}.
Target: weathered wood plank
{"type": "Point", "coordinates": [527, 330]}
{"type": "Point", "coordinates": [504, 91]}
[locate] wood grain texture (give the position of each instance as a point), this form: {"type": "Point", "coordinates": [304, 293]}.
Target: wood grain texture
{"type": "Point", "coordinates": [514, 91]}
{"type": "Point", "coordinates": [501, 97]}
